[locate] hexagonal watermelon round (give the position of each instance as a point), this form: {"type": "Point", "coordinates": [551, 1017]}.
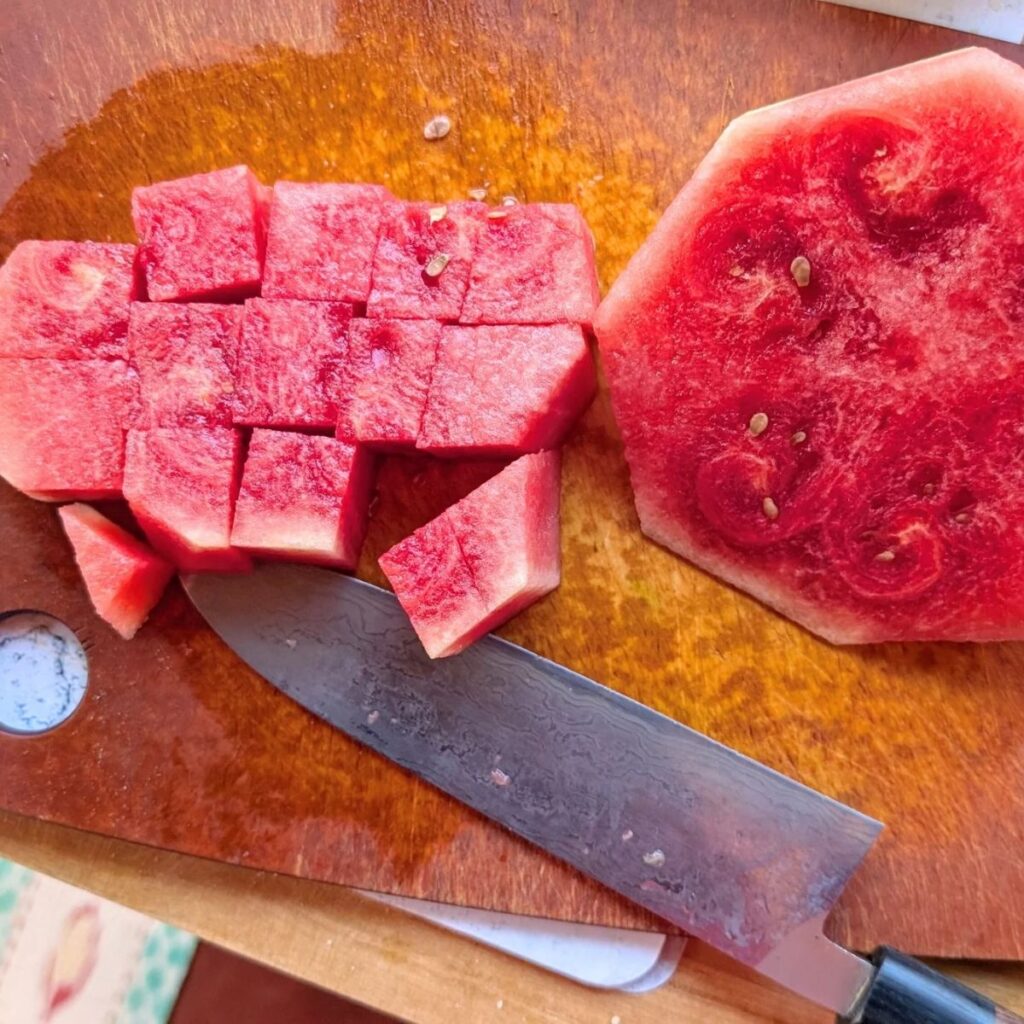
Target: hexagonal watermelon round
{"type": "Point", "coordinates": [817, 358]}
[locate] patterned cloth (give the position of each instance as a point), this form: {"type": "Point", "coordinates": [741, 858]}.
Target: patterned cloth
{"type": "Point", "coordinates": [68, 957]}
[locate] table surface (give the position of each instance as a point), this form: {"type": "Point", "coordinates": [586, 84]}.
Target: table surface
{"type": "Point", "coordinates": [335, 938]}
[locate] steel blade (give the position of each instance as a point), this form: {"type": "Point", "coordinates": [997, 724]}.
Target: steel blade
{"type": "Point", "coordinates": [727, 849]}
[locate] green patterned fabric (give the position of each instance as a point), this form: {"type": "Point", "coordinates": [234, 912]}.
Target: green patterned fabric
{"type": "Point", "coordinates": [162, 967]}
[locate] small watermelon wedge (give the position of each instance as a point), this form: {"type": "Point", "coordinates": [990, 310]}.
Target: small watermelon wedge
{"type": "Point", "coordinates": [303, 499]}
{"type": "Point", "coordinates": [506, 389]}
{"type": "Point", "coordinates": [817, 358]}
{"type": "Point", "coordinates": [484, 559]}
{"type": "Point", "coordinates": [124, 577]}
{"type": "Point", "coordinates": [181, 484]}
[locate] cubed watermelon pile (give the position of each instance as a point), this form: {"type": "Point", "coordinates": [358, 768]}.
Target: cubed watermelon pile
{"type": "Point", "coordinates": [235, 375]}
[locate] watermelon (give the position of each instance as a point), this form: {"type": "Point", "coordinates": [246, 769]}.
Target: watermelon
{"type": "Point", "coordinates": [817, 358]}
{"type": "Point", "coordinates": [303, 498]}
{"type": "Point", "coordinates": [184, 355]}
{"type": "Point", "coordinates": [506, 389]}
{"type": "Point", "coordinates": [181, 484]}
{"type": "Point", "coordinates": [321, 241]}
{"type": "Point", "coordinates": [384, 380]}
{"type": "Point", "coordinates": [62, 426]}
{"type": "Point", "coordinates": [484, 559]}
{"type": "Point", "coordinates": [533, 264]}
{"type": "Point", "coordinates": [66, 300]}
{"type": "Point", "coordinates": [288, 360]}
{"type": "Point", "coordinates": [201, 237]}
{"type": "Point", "coordinates": [423, 259]}
{"type": "Point", "coordinates": [124, 577]}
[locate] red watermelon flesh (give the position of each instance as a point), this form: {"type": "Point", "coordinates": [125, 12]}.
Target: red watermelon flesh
{"type": "Point", "coordinates": [62, 426]}
{"type": "Point", "coordinates": [484, 559]}
{"type": "Point", "coordinates": [303, 498]}
{"type": "Point", "coordinates": [66, 300]}
{"type": "Point", "coordinates": [506, 389]}
{"type": "Point", "coordinates": [201, 237]}
{"type": "Point", "coordinates": [322, 239]}
{"type": "Point", "coordinates": [185, 355]}
{"type": "Point", "coordinates": [124, 577]}
{"type": "Point", "coordinates": [288, 361]}
{"type": "Point", "coordinates": [423, 258]}
{"type": "Point", "coordinates": [533, 264]}
{"type": "Point", "coordinates": [817, 359]}
{"type": "Point", "coordinates": [181, 484]}
{"type": "Point", "coordinates": [384, 380]}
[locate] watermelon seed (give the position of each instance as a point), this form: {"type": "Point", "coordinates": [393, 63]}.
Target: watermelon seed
{"type": "Point", "coordinates": [929, 488]}
{"type": "Point", "coordinates": [438, 213]}
{"type": "Point", "coordinates": [800, 268]}
{"type": "Point", "coordinates": [499, 214]}
{"type": "Point", "coordinates": [882, 151]}
{"type": "Point", "coordinates": [437, 128]}
{"type": "Point", "coordinates": [735, 270]}
{"type": "Point", "coordinates": [436, 264]}
{"type": "Point", "coordinates": [509, 201]}
{"type": "Point", "coordinates": [799, 437]}
{"type": "Point", "coordinates": [962, 517]}
{"type": "Point", "coordinates": [771, 510]}
{"type": "Point", "coordinates": [479, 194]}
{"type": "Point", "coordinates": [885, 556]}
{"type": "Point", "coordinates": [758, 423]}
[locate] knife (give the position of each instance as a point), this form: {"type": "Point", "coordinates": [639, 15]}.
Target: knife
{"type": "Point", "coordinates": [727, 849]}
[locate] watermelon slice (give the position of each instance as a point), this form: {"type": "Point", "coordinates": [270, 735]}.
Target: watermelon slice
{"type": "Point", "coordinates": [286, 371]}
{"type": "Point", "coordinates": [384, 381]}
{"type": "Point", "coordinates": [66, 300]}
{"type": "Point", "coordinates": [201, 237]}
{"type": "Point", "coordinates": [124, 578]}
{"type": "Point", "coordinates": [422, 263]}
{"type": "Point", "coordinates": [62, 426]}
{"type": "Point", "coordinates": [181, 484]}
{"type": "Point", "coordinates": [506, 390]}
{"type": "Point", "coordinates": [184, 354]}
{"type": "Point", "coordinates": [484, 559]}
{"type": "Point", "coordinates": [303, 498]}
{"type": "Point", "coordinates": [322, 239]}
{"type": "Point", "coordinates": [533, 264]}
{"type": "Point", "coordinates": [817, 358]}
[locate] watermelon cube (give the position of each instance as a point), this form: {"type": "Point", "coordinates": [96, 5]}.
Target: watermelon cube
{"type": "Point", "coordinates": [62, 426]}
{"type": "Point", "coordinates": [184, 354]}
{"type": "Point", "coordinates": [321, 241]}
{"type": "Point", "coordinates": [66, 300]}
{"type": "Point", "coordinates": [506, 390]}
{"type": "Point", "coordinates": [384, 381]}
{"type": "Point", "coordinates": [286, 372]}
{"type": "Point", "coordinates": [303, 498]}
{"type": "Point", "coordinates": [181, 484]}
{"type": "Point", "coordinates": [533, 264]}
{"type": "Point", "coordinates": [423, 259]}
{"type": "Point", "coordinates": [123, 576]}
{"type": "Point", "coordinates": [201, 237]}
{"type": "Point", "coordinates": [484, 559]}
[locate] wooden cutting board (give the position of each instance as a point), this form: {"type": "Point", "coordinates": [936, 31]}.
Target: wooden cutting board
{"type": "Point", "coordinates": [608, 105]}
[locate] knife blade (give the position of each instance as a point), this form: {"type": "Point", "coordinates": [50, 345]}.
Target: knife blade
{"type": "Point", "coordinates": [729, 850]}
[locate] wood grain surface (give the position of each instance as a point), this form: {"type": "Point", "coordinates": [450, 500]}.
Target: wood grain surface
{"type": "Point", "coordinates": [607, 105]}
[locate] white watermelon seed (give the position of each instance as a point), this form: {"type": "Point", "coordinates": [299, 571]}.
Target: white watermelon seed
{"type": "Point", "coordinates": [736, 270]}
{"type": "Point", "coordinates": [771, 510]}
{"type": "Point", "coordinates": [436, 264]}
{"type": "Point", "coordinates": [882, 151]}
{"type": "Point", "coordinates": [509, 201]}
{"type": "Point", "coordinates": [962, 517]}
{"type": "Point", "coordinates": [479, 194]}
{"type": "Point", "coordinates": [758, 423]}
{"type": "Point", "coordinates": [438, 213]}
{"type": "Point", "coordinates": [799, 437]}
{"type": "Point", "coordinates": [929, 488]}
{"type": "Point", "coordinates": [800, 268]}
{"type": "Point", "coordinates": [885, 556]}
{"type": "Point", "coordinates": [498, 214]}
{"type": "Point", "coordinates": [437, 128]}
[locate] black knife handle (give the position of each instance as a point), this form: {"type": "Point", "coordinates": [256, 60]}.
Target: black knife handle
{"type": "Point", "coordinates": [905, 991]}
